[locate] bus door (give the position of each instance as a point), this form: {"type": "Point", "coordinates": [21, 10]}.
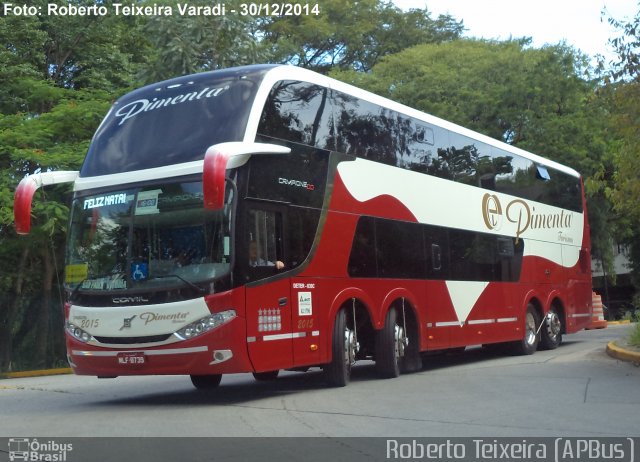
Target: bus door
{"type": "Point", "coordinates": [268, 295]}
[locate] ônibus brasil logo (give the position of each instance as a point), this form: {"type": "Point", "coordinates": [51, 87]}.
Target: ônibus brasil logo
{"type": "Point", "coordinates": [32, 449]}
{"type": "Point", "coordinates": [522, 215]}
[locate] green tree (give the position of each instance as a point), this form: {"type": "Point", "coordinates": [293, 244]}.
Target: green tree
{"type": "Point", "coordinates": [623, 185]}
{"type": "Point", "coordinates": [350, 35]}
{"type": "Point", "coordinates": [183, 45]}
{"type": "Point", "coordinates": [59, 76]}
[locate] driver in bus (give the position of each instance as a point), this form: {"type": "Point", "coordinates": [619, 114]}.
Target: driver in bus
{"type": "Point", "coordinates": [255, 260]}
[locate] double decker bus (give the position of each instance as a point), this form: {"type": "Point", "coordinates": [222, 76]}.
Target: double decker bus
{"type": "Point", "coordinates": [266, 217]}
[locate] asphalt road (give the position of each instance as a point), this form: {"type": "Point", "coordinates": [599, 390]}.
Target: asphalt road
{"type": "Point", "coordinates": [576, 390]}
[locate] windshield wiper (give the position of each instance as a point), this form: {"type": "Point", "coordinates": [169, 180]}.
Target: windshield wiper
{"type": "Point", "coordinates": [189, 283]}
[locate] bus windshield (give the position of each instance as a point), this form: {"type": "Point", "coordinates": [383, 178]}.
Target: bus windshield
{"type": "Point", "coordinates": [152, 238]}
{"type": "Point", "coordinates": [171, 123]}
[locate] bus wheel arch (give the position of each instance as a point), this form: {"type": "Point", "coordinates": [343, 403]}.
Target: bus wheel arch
{"type": "Point", "coordinates": [553, 326]}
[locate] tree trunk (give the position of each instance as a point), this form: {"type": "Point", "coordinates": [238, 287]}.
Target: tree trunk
{"type": "Point", "coordinates": [44, 315]}
{"type": "Point", "coordinates": [12, 302]}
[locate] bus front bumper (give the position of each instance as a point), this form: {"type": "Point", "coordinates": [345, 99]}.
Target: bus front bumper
{"type": "Point", "coordinates": [221, 351]}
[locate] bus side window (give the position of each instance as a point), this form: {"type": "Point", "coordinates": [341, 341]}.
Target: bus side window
{"type": "Point", "coordinates": [437, 256]}
{"type": "Point", "coordinates": [362, 260]}
{"type": "Point", "coordinates": [299, 112]}
{"type": "Point", "coordinates": [264, 238]}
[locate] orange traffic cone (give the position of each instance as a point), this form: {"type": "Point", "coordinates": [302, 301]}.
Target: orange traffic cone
{"type": "Point", "coordinates": [597, 321]}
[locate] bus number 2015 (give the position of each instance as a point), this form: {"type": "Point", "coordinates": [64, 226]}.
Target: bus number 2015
{"type": "Point", "coordinates": [90, 324]}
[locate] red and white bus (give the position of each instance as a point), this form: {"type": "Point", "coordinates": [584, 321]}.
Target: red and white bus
{"type": "Point", "coordinates": [266, 217]}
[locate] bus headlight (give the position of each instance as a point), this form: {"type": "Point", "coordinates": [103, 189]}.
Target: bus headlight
{"type": "Point", "coordinates": [78, 333]}
{"type": "Point", "coordinates": [205, 324]}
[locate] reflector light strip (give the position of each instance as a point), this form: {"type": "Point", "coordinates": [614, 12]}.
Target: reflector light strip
{"type": "Point", "coordinates": [289, 335]}
{"type": "Point", "coordinates": [481, 321]}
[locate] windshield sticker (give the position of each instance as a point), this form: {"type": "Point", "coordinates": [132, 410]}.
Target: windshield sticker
{"type": "Point", "coordinates": [147, 203]}
{"type": "Point", "coordinates": [139, 271]}
{"type": "Point", "coordinates": [134, 108]}
{"type": "Point", "coordinates": [104, 201]}
{"type": "Point", "coordinates": [106, 283]}
{"type": "Point", "coordinates": [76, 273]}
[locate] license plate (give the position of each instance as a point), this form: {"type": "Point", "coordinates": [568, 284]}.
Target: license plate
{"type": "Point", "coordinates": [132, 359]}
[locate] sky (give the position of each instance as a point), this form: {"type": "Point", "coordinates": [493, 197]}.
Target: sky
{"type": "Point", "coordinates": [578, 22]}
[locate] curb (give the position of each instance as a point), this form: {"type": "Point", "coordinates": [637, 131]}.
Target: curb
{"type": "Point", "coordinates": [618, 352]}
{"type": "Point", "coordinates": [40, 373]}
{"type": "Point", "coordinates": [616, 323]}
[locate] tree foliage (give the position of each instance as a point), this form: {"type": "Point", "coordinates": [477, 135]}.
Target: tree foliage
{"type": "Point", "coordinates": [354, 35]}
{"type": "Point", "coordinates": [181, 45]}
{"type": "Point", "coordinates": [622, 181]}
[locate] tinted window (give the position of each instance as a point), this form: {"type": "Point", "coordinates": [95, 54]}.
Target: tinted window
{"type": "Point", "coordinates": [302, 224]}
{"type": "Point", "coordinates": [562, 190]}
{"type": "Point", "coordinates": [436, 242]}
{"type": "Point", "coordinates": [394, 249]}
{"type": "Point", "coordinates": [362, 260]}
{"type": "Point", "coordinates": [263, 244]}
{"type": "Point", "coordinates": [365, 129]}
{"type": "Point", "coordinates": [312, 115]}
{"type": "Point", "coordinates": [170, 123]}
{"type": "Point", "coordinates": [484, 257]}
{"type": "Point", "coordinates": [513, 174]}
{"type": "Point", "coordinates": [299, 112]}
{"type": "Point", "coordinates": [473, 256]}
{"type": "Point", "coordinates": [400, 249]}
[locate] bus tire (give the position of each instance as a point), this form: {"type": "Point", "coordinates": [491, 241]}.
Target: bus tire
{"type": "Point", "coordinates": [551, 331]}
{"type": "Point", "coordinates": [529, 343]}
{"type": "Point", "coordinates": [343, 345]}
{"type": "Point", "coordinates": [206, 382]}
{"type": "Point", "coordinates": [266, 376]}
{"type": "Point", "coordinates": [388, 346]}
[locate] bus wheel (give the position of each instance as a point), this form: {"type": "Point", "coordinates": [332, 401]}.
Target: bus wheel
{"type": "Point", "coordinates": [390, 344]}
{"type": "Point", "coordinates": [551, 332]}
{"type": "Point", "coordinates": [343, 347]}
{"type": "Point", "coordinates": [266, 376]}
{"type": "Point", "coordinates": [206, 382]}
{"type": "Point", "coordinates": [529, 344]}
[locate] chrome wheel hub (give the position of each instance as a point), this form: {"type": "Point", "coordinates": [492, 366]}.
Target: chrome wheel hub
{"type": "Point", "coordinates": [400, 341]}
{"type": "Point", "coordinates": [530, 326]}
{"type": "Point", "coordinates": [553, 324]}
{"type": "Point", "coordinates": [350, 346]}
